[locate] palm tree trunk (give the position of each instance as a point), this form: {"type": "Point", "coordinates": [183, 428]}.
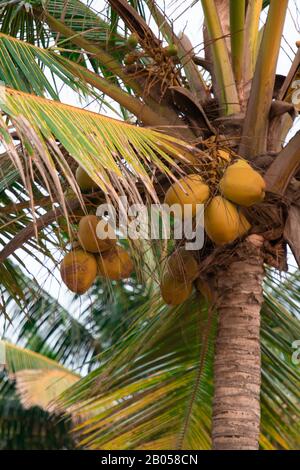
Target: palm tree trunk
{"type": "Point", "coordinates": [236, 407]}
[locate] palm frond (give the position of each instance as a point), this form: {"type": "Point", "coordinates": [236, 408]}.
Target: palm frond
{"type": "Point", "coordinates": [101, 145]}
{"type": "Point", "coordinates": [43, 325]}
{"type": "Point", "coordinates": [26, 67]}
{"type": "Point", "coordinates": [22, 21]}
{"type": "Point", "coordinates": [165, 394]}
{"type": "Point", "coordinates": [39, 380]}
{"type": "Point", "coordinates": [18, 359]}
{"type": "Point", "coordinates": [154, 389]}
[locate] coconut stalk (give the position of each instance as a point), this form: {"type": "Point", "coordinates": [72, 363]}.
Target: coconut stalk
{"type": "Point", "coordinates": [284, 167]}
{"type": "Point", "coordinates": [162, 116]}
{"type": "Point", "coordinates": [237, 22]}
{"type": "Point", "coordinates": [222, 65]}
{"type": "Point", "coordinates": [104, 57]}
{"type": "Point", "coordinates": [254, 138]}
{"type": "Point", "coordinates": [251, 38]}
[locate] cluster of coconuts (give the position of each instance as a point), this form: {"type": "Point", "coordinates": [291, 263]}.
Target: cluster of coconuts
{"type": "Point", "coordinates": [95, 252]}
{"type": "Point", "coordinates": [131, 57]}
{"type": "Point", "coordinates": [239, 186]}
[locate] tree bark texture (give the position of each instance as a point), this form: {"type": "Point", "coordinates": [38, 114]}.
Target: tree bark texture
{"type": "Point", "coordinates": [237, 367]}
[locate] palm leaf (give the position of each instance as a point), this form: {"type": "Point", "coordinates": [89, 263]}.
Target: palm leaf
{"type": "Point", "coordinates": [77, 16]}
{"type": "Point", "coordinates": [165, 395]}
{"type": "Point", "coordinates": [39, 380]}
{"type": "Point", "coordinates": [97, 143]}
{"type": "Point", "coordinates": [22, 67]}
{"type": "Point", "coordinates": [43, 325]}
{"type": "Point", "coordinates": [154, 389]}
{"type": "Point", "coordinates": [18, 359]}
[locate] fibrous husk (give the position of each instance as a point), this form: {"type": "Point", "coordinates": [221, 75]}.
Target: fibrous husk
{"type": "Point", "coordinates": [188, 190]}
{"type": "Point", "coordinates": [115, 264]}
{"type": "Point", "coordinates": [183, 266]}
{"type": "Point", "coordinates": [84, 181]}
{"type": "Point", "coordinates": [78, 270]}
{"type": "Point", "coordinates": [242, 184]}
{"type": "Point", "coordinates": [174, 292]}
{"type": "Point", "coordinates": [223, 222]}
{"type": "Point", "coordinates": [95, 235]}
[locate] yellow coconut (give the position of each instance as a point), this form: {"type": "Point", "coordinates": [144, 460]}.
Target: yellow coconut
{"type": "Point", "coordinates": [223, 222]}
{"type": "Point", "coordinates": [78, 270]}
{"type": "Point", "coordinates": [115, 264]}
{"type": "Point", "coordinates": [183, 266]}
{"type": "Point", "coordinates": [188, 190]}
{"type": "Point", "coordinates": [174, 292]}
{"type": "Point", "coordinates": [242, 184]}
{"type": "Point", "coordinates": [85, 182]}
{"type": "Point", "coordinates": [90, 227]}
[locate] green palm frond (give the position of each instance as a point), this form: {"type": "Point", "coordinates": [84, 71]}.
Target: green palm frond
{"type": "Point", "coordinates": [77, 16]}
{"type": "Point", "coordinates": [17, 20]}
{"type": "Point", "coordinates": [83, 19]}
{"type": "Point", "coordinates": [165, 394]}
{"type": "Point", "coordinates": [28, 68]}
{"type": "Point", "coordinates": [45, 326]}
{"type": "Point", "coordinates": [155, 390]}
{"type": "Point", "coordinates": [101, 145]}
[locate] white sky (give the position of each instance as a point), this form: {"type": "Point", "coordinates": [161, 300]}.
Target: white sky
{"type": "Point", "coordinates": [190, 21]}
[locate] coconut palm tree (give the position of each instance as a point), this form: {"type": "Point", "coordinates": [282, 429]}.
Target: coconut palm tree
{"type": "Point", "coordinates": [179, 109]}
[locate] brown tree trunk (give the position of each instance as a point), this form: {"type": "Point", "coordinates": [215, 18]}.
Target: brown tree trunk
{"type": "Point", "coordinates": [237, 373]}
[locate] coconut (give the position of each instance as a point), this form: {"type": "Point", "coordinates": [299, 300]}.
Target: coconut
{"type": "Point", "coordinates": [223, 222]}
{"type": "Point", "coordinates": [183, 266]}
{"type": "Point", "coordinates": [242, 184]}
{"type": "Point", "coordinates": [174, 292]}
{"type": "Point", "coordinates": [84, 181]}
{"type": "Point", "coordinates": [78, 270]}
{"type": "Point", "coordinates": [171, 50]}
{"type": "Point", "coordinates": [130, 58]}
{"type": "Point", "coordinates": [95, 235]}
{"type": "Point", "coordinates": [132, 41]}
{"type": "Point", "coordinates": [115, 264]}
{"type": "Point", "coordinates": [188, 190]}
